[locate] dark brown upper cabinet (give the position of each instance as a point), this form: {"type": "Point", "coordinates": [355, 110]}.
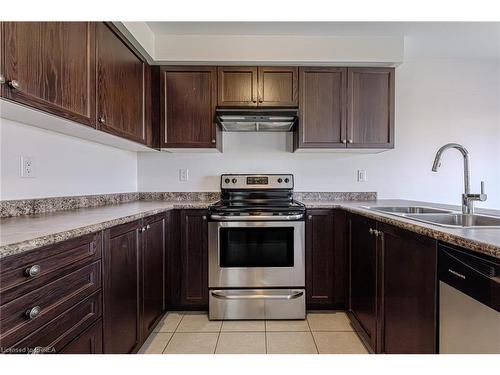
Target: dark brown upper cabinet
{"type": "Point", "coordinates": [237, 86]}
{"type": "Point", "coordinates": [251, 86]}
{"type": "Point", "coordinates": [50, 66]}
{"type": "Point", "coordinates": [345, 108]}
{"type": "Point", "coordinates": [122, 87]}
{"type": "Point", "coordinates": [370, 98]}
{"type": "Point", "coordinates": [278, 86]}
{"type": "Point", "coordinates": [188, 97]}
{"type": "Point", "coordinates": [322, 104]}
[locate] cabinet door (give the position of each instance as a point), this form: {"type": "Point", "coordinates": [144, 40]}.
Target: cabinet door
{"type": "Point", "coordinates": [237, 86]}
{"type": "Point", "coordinates": [370, 108]}
{"type": "Point", "coordinates": [194, 259]}
{"type": "Point", "coordinates": [121, 87]}
{"type": "Point", "coordinates": [153, 272]}
{"type": "Point", "coordinates": [278, 86]}
{"type": "Point", "coordinates": [322, 120]}
{"type": "Point", "coordinates": [51, 66]}
{"type": "Point", "coordinates": [189, 98]}
{"type": "Point", "coordinates": [409, 297]}
{"type": "Point", "coordinates": [88, 342]}
{"type": "Point", "coordinates": [121, 284]}
{"type": "Point", "coordinates": [320, 259]}
{"type": "Point", "coordinates": [363, 260]}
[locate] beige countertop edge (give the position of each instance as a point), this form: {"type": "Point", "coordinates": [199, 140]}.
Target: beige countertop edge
{"type": "Point", "coordinates": [433, 231]}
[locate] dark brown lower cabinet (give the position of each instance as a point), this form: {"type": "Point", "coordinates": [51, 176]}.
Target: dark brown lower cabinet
{"type": "Point", "coordinates": [188, 258]}
{"type": "Point", "coordinates": [153, 272]}
{"type": "Point", "coordinates": [88, 342]}
{"type": "Point", "coordinates": [363, 277]}
{"type": "Point", "coordinates": [122, 292]}
{"type": "Point", "coordinates": [409, 292]}
{"type": "Point", "coordinates": [320, 262]}
{"type": "Point", "coordinates": [393, 289]}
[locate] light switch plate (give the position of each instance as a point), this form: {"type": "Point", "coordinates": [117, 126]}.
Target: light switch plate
{"type": "Point", "coordinates": [361, 175]}
{"type": "Point", "coordinates": [183, 175]}
{"type": "Point", "coordinates": [27, 166]}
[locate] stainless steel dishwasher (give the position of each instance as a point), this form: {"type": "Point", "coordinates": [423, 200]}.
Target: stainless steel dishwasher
{"type": "Point", "coordinates": [469, 302]}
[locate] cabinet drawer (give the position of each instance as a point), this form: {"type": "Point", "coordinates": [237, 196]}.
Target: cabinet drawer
{"type": "Point", "coordinates": [46, 264]}
{"type": "Point", "coordinates": [51, 300]}
{"type": "Point", "coordinates": [53, 336]}
{"type": "Point", "coordinates": [89, 342]}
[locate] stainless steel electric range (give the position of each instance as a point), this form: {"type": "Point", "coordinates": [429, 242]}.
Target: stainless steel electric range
{"type": "Point", "coordinates": [256, 249]}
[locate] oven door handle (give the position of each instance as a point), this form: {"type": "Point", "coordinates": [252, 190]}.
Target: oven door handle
{"type": "Point", "coordinates": [224, 295]}
{"type": "Point", "coordinates": [257, 217]}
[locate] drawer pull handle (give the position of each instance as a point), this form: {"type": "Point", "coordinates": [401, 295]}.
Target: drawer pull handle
{"type": "Point", "coordinates": [33, 270]}
{"type": "Point", "coordinates": [14, 84]}
{"type": "Point", "coordinates": [33, 312]}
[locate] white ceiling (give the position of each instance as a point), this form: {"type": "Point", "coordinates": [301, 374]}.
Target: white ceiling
{"type": "Point", "coordinates": [422, 39]}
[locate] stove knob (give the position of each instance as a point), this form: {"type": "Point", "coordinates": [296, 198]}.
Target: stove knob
{"type": "Point", "coordinates": [280, 180]}
{"type": "Point", "coordinates": [235, 180]}
{"type": "Point", "coordinates": [287, 180]}
{"type": "Point", "coordinates": [227, 180]}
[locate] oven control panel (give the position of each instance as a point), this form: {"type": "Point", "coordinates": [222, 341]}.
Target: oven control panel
{"type": "Point", "coordinates": [257, 181]}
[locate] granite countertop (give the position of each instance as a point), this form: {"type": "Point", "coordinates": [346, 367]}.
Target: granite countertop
{"type": "Point", "coordinates": [24, 233]}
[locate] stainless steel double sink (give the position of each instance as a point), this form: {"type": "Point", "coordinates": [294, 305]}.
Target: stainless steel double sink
{"type": "Point", "coordinates": [441, 217]}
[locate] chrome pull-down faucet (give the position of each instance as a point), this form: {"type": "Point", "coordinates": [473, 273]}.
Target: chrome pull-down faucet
{"type": "Point", "coordinates": [467, 198]}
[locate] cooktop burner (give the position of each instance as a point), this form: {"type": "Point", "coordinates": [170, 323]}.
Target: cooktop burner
{"type": "Point", "coordinates": [257, 196]}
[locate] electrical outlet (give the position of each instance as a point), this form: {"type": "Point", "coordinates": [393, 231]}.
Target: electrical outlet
{"type": "Point", "coordinates": [27, 166]}
{"type": "Point", "coordinates": [361, 175]}
{"type": "Point", "coordinates": [183, 174]}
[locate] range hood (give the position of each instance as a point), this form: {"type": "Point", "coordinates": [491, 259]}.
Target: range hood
{"type": "Point", "coordinates": [257, 119]}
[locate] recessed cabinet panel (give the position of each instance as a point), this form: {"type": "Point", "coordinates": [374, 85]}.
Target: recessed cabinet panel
{"type": "Point", "coordinates": [121, 87]}
{"type": "Point", "coordinates": [51, 66]}
{"type": "Point", "coordinates": [322, 117]}
{"type": "Point", "coordinates": [278, 86]}
{"type": "Point", "coordinates": [188, 101]}
{"type": "Point", "coordinates": [370, 107]}
{"type": "Point", "coordinates": [237, 86]}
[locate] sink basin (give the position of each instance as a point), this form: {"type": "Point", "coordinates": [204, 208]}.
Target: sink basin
{"type": "Point", "coordinates": [404, 210]}
{"type": "Point", "coordinates": [457, 220]}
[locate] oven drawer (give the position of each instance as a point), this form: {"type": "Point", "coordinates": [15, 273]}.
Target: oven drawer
{"type": "Point", "coordinates": [257, 304]}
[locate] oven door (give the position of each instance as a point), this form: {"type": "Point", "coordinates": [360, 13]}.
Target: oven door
{"type": "Point", "coordinates": [256, 254]}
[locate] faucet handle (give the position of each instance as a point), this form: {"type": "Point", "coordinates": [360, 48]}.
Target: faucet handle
{"type": "Point", "coordinates": [482, 188]}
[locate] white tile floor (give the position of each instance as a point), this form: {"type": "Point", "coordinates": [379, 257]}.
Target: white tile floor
{"type": "Point", "coordinates": [192, 333]}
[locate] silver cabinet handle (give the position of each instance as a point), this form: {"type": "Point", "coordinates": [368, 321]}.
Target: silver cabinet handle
{"type": "Point", "coordinates": [101, 120]}
{"type": "Point", "coordinates": [204, 217]}
{"type": "Point", "coordinates": [14, 84]}
{"type": "Point", "coordinates": [349, 141]}
{"type": "Point", "coordinates": [222, 295]}
{"type": "Point", "coordinates": [213, 141]}
{"type": "Point", "coordinates": [143, 229]}
{"type": "Point", "coordinates": [372, 231]}
{"type": "Point", "coordinates": [2, 79]}
{"type": "Point", "coordinates": [344, 141]}
{"type": "Point", "coordinates": [33, 312]}
{"type": "Point", "coordinates": [33, 270]}
{"type": "Point", "coordinates": [148, 226]}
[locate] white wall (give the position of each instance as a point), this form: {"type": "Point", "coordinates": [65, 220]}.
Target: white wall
{"type": "Point", "coordinates": [64, 165]}
{"type": "Point", "coordinates": [437, 101]}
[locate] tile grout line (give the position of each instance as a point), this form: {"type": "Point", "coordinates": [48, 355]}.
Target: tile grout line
{"type": "Point", "coordinates": [218, 337]}
{"type": "Point", "coordinates": [310, 330]}
{"type": "Point", "coordinates": [173, 333]}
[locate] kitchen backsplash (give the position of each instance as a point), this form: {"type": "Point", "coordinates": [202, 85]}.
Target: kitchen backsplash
{"type": "Point", "coordinates": [18, 207]}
